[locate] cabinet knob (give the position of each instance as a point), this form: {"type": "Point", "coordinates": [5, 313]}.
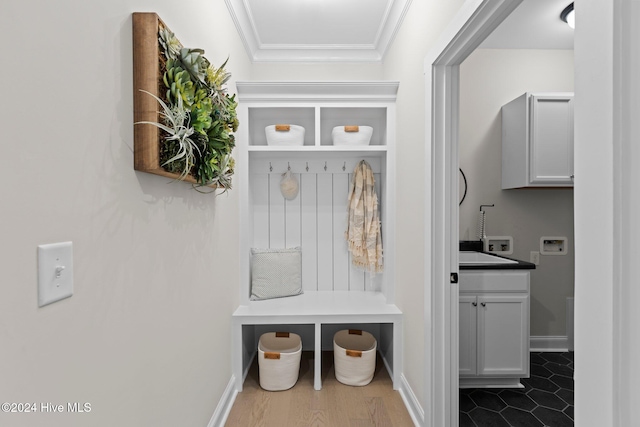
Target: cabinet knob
{"type": "Point", "coordinates": [475, 304]}
{"type": "Point", "coordinates": [483, 304]}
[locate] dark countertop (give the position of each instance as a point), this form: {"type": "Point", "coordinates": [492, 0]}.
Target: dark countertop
{"type": "Point", "coordinates": [476, 246]}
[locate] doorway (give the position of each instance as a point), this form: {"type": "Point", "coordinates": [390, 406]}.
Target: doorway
{"type": "Point", "coordinates": [475, 21]}
{"type": "Point", "coordinates": [604, 112]}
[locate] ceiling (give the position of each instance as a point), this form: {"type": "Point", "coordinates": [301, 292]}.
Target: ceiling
{"type": "Point", "coordinates": [363, 30]}
{"type": "Point", "coordinates": [317, 30]}
{"type": "Point", "coordinates": [535, 24]}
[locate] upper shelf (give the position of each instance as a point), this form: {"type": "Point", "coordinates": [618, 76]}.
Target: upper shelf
{"type": "Point", "coordinates": [368, 91]}
{"type": "Point", "coordinates": [318, 123]}
{"type": "Point", "coordinates": [318, 148]}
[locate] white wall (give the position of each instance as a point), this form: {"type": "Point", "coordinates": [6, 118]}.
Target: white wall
{"type": "Point", "coordinates": [489, 78]}
{"type": "Point", "coordinates": [404, 62]}
{"type": "Point", "coordinates": [145, 338]}
{"type": "Point", "coordinates": [627, 180]}
{"type": "Point", "coordinates": [607, 342]}
{"type": "Point", "coordinates": [594, 171]}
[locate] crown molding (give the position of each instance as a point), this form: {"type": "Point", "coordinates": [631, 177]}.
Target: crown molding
{"type": "Point", "coordinates": [296, 52]}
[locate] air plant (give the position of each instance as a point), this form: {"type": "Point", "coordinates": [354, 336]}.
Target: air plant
{"type": "Point", "coordinates": [178, 133]}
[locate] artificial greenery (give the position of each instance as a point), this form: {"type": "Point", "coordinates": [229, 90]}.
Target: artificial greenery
{"type": "Point", "coordinates": [198, 116]}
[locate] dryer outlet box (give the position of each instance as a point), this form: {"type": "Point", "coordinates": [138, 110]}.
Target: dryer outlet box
{"type": "Point", "coordinates": [553, 245]}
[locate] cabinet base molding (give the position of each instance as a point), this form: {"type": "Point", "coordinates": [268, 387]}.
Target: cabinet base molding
{"type": "Point", "coordinates": [549, 343]}
{"type": "Point", "coordinates": [490, 383]}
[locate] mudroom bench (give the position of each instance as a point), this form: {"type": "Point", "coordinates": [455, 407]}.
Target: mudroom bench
{"type": "Point", "coordinates": [316, 316]}
{"type": "Point", "coordinates": [336, 294]}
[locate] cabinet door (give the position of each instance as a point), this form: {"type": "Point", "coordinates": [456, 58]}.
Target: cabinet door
{"type": "Point", "coordinates": [468, 332]}
{"type": "Point", "coordinates": [551, 140]}
{"type": "Point", "coordinates": [503, 335]}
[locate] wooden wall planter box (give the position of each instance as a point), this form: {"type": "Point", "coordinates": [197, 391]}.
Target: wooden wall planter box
{"type": "Point", "coordinates": [147, 75]}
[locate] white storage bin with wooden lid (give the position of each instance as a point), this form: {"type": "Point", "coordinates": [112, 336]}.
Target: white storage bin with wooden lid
{"type": "Point", "coordinates": [284, 134]}
{"type": "Point", "coordinates": [351, 135]}
{"type": "Point", "coordinates": [279, 360]}
{"type": "Point", "coordinates": [354, 353]}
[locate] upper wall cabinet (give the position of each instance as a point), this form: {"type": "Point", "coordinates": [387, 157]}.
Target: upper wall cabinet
{"type": "Point", "coordinates": [537, 141]}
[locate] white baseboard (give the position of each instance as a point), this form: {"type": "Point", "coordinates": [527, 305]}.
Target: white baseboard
{"type": "Point", "coordinates": [411, 402]}
{"type": "Point", "coordinates": [549, 343]}
{"type": "Point", "coordinates": [225, 403]}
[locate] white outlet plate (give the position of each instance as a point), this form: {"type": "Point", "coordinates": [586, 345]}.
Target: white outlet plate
{"type": "Point", "coordinates": [55, 272]}
{"type": "Point", "coordinates": [534, 257]}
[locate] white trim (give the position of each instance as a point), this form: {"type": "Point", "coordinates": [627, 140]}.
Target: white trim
{"type": "Point", "coordinates": [473, 23]}
{"type": "Point", "coordinates": [490, 383]}
{"type": "Point", "coordinates": [220, 415]}
{"type": "Point", "coordinates": [314, 91]}
{"type": "Point", "coordinates": [265, 52]}
{"type": "Point", "coordinates": [570, 325]}
{"type": "Point", "coordinates": [411, 402]}
{"type": "Point", "coordinates": [549, 343]}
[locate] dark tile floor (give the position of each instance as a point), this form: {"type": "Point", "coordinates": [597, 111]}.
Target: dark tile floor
{"type": "Point", "coordinates": [546, 400]}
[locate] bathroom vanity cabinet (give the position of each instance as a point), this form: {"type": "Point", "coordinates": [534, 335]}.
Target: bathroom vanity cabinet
{"type": "Point", "coordinates": [537, 141]}
{"type": "Point", "coordinates": [335, 293]}
{"type": "Point", "coordinates": [494, 328]}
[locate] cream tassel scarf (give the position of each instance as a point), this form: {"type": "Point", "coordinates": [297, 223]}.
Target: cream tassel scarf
{"type": "Point", "coordinates": [363, 230]}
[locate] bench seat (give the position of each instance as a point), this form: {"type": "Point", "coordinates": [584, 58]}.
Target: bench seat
{"type": "Point", "coordinates": [318, 308]}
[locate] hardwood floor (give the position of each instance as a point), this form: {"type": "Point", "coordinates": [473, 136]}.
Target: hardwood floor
{"type": "Point", "coordinates": [336, 405]}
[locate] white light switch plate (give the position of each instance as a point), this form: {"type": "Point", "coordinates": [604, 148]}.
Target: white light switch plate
{"type": "Point", "coordinates": [55, 272]}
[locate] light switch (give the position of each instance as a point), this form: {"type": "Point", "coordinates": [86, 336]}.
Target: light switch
{"type": "Point", "coordinates": [55, 272]}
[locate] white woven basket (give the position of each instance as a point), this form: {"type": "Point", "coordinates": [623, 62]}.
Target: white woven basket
{"type": "Point", "coordinates": [279, 135]}
{"type": "Point", "coordinates": [347, 135]}
{"type": "Point", "coordinates": [354, 353]}
{"type": "Point", "coordinates": [279, 360]}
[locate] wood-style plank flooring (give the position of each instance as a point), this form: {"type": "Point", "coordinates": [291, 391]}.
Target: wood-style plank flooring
{"type": "Point", "coordinates": [336, 405]}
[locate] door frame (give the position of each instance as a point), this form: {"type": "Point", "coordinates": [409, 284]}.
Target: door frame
{"type": "Point", "coordinates": [473, 23]}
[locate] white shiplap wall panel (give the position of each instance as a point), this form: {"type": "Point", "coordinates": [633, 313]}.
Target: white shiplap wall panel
{"type": "Point", "coordinates": [341, 258]}
{"type": "Point", "coordinates": [276, 213]}
{"type": "Point", "coordinates": [324, 198]}
{"type": "Point", "coordinates": [315, 220]}
{"type": "Point", "coordinates": [293, 219]}
{"type": "Point", "coordinates": [309, 235]}
{"type": "Point", "coordinates": [259, 185]}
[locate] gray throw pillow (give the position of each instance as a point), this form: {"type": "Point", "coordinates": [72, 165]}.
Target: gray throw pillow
{"type": "Point", "coordinates": [275, 273]}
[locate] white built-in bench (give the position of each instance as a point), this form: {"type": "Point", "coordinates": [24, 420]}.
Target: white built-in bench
{"type": "Point", "coordinates": [312, 311]}
{"type": "Point", "coordinates": [336, 294]}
